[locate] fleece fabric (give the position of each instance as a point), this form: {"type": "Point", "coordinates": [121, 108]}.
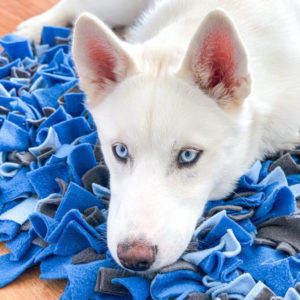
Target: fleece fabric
{"type": "Point", "coordinates": [55, 193]}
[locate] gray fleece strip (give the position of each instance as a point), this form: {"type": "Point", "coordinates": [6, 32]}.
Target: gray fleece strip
{"type": "Point", "coordinates": [237, 208]}
{"type": "Point", "coordinates": [18, 73]}
{"type": "Point", "coordinates": [264, 241]}
{"type": "Point", "coordinates": [62, 185]}
{"type": "Point", "coordinates": [49, 207]}
{"type": "Point", "coordinates": [32, 68]}
{"type": "Point", "coordinates": [192, 246]}
{"type": "Point", "coordinates": [287, 164]}
{"type": "Point", "coordinates": [223, 296]}
{"type": "Point", "coordinates": [45, 154]}
{"type": "Point", "coordinates": [98, 152]}
{"type": "Point", "coordinates": [198, 296]}
{"type": "Point", "coordinates": [22, 158]}
{"type": "Point", "coordinates": [217, 209]}
{"type": "Point", "coordinates": [244, 194]}
{"type": "Point", "coordinates": [104, 278]}
{"type": "Point", "coordinates": [60, 40]}
{"type": "Point", "coordinates": [282, 229]}
{"type": "Point", "coordinates": [25, 226]}
{"type": "Point", "coordinates": [74, 89]}
{"type": "Point", "coordinates": [36, 123]}
{"type": "Point", "coordinates": [264, 294]}
{"type": "Point", "coordinates": [179, 265]}
{"type": "Point", "coordinates": [40, 242]}
{"type": "Point", "coordinates": [48, 111]}
{"type": "Point", "coordinates": [287, 248]}
{"type": "Point", "coordinates": [98, 174]}
{"type": "Point", "coordinates": [86, 256]}
{"type": "Point", "coordinates": [243, 216]}
{"type": "Point", "coordinates": [93, 216]}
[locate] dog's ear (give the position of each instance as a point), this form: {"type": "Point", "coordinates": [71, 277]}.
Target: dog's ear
{"type": "Point", "coordinates": [216, 60]}
{"type": "Point", "coordinates": [100, 57]}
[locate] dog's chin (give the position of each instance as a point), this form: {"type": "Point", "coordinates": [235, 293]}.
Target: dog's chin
{"type": "Point", "coordinates": [150, 273]}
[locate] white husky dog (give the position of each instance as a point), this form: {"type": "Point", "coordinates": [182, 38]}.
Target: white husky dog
{"type": "Point", "coordinates": [196, 93]}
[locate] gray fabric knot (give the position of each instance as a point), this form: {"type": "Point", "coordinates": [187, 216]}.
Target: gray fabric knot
{"type": "Point", "coordinates": [60, 40]}
{"type": "Point", "coordinates": [283, 230]}
{"type": "Point", "coordinates": [25, 226]}
{"type": "Point", "coordinates": [18, 73]}
{"type": "Point", "coordinates": [62, 185]}
{"type": "Point", "coordinates": [217, 209]}
{"type": "Point", "coordinates": [36, 123]}
{"type": "Point", "coordinates": [199, 296]}
{"type": "Point", "coordinates": [48, 111]}
{"type": "Point", "coordinates": [40, 242]}
{"type": "Point", "coordinates": [49, 207]}
{"type": "Point", "coordinates": [86, 256]}
{"type": "Point", "coordinates": [179, 265]}
{"type": "Point", "coordinates": [98, 174]}
{"type": "Point", "coordinates": [104, 284]}
{"type": "Point", "coordinates": [98, 153]}
{"type": "Point", "coordinates": [45, 154]}
{"type": "Point", "coordinates": [22, 158]}
{"type": "Point", "coordinates": [287, 164]}
{"type": "Point", "coordinates": [264, 294]}
{"type": "Point", "coordinates": [93, 216]}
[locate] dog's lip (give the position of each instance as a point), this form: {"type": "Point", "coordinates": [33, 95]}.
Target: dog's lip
{"type": "Point", "coordinates": [148, 274]}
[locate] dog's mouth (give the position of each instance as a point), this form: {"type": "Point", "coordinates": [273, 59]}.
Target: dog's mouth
{"type": "Point", "coordinates": [142, 258]}
{"type": "Point", "coordinates": [146, 268]}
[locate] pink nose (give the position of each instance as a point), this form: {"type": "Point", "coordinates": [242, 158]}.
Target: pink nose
{"type": "Point", "coordinates": [137, 255]}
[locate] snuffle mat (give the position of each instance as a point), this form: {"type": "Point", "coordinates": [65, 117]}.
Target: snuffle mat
{"type": "Point", "coordinates": [54, 196]}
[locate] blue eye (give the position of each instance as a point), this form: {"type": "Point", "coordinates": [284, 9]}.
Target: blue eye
{"type": "Point", "coordinates": [188, 157]}
{"type": "Point", "coordinates": [121, 152]}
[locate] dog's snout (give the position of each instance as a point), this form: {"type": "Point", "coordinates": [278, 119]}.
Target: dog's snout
{"type": "Point", "coordinates": [136, 256]}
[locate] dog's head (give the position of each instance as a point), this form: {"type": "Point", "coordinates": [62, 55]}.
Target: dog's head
{"type": "Point", "coordinates": [172, 137]}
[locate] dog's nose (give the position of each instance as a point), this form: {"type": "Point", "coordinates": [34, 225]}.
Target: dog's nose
{"type": "Point", "coordinates": [136, 256]}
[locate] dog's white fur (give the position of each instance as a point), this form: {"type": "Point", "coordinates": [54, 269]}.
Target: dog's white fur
{"type": "Point", "coordinates": [160, 101]}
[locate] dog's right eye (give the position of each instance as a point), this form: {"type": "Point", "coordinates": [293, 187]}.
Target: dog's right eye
{"type": "Point", "coordinates": [121, 152]}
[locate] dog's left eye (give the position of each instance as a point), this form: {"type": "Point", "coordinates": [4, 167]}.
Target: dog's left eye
{"type": "Point", "coordinates": [121, 152]}
{"type": "Point", "coordinates": [188, 157]}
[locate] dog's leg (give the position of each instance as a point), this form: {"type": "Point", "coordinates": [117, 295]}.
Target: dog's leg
{"type": "Point", "coordinates": [61, 14]}
{"type": "Point", "coordinates": [112, 12]}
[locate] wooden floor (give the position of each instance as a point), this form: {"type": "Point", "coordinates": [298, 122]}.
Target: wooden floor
{"type": "Point", "coordinates": [28, 286]}
{"type": "Point", "coordinates": [13, 12]}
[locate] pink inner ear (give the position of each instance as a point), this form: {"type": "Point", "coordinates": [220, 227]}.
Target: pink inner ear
{"type": "Point", "coordinates": [217, 58]}
{"type": "Point", "coordinates": [102, 60]}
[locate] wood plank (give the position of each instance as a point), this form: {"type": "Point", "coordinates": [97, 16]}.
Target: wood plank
{"type": "Point", "coordinates": [13, 12]}
{"type": "Point", "coordinates": [29, 287]}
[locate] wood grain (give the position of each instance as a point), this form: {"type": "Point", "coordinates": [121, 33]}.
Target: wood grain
{"type": "Point", "coordinates": [13, 12]}
{"type": "Point", "coordinates": [28, 286]}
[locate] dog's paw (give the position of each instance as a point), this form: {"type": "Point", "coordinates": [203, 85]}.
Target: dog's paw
{"type": "Point", "coordinates": [31, 28]}
{"type": "Point", "coordinates": [33, 33]}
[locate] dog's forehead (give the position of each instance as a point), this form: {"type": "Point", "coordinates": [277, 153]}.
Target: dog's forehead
{"type": "Point", "coordinates": [160, 111]}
